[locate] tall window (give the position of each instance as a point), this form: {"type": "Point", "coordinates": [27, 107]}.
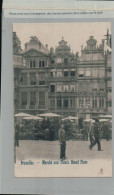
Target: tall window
{"type": "Point", "coordinates": [52, 102]}
{"type": "Point", "coordinates": [32, 78]}
{"type": "Point", "coordinates": [59, 103]}
{"type": "Point", "coordinates": [80, 102]}
{"type": "Point", "coordinates": [32, 63]}
{"type": "Point", "coordinates": [109, 103]}
{"type": "Point", "coordinates": [101, 102]}
{"type": "Point", "coordinates": [87, 102]}
{"type": "Point", "coordinates": [65, 73]}
{"type": "Point", "coordinates": [24, 62]}
{"type": "Point", "coordinates": [65, 88]}
{"type": "Point", "coordinates": [71, 102]}
{"type": "Point", "coordinates": [81, 73]}
{"type": "Point", "coordinates": [42, 82]}
{"type": "Point", "coordinates": [72, 73]}
{"type": "Point", "coordinates": [59, 73]}
{"type": "Point", "coordinates": [72, 88]}
{"type": "Point", "coordinates": [59, 87]}
{"type": "Point", "coordinates": [101, 89]}
{"type": "Point", "coordinates": [32, 98]}
{"type": "Point", "coordinates": [41, 98]}
{"type": "Point", "coordinates": [53, 73]}
{"type": "Point", "coordinates": [109, 90]}
{"type": "Point", "coordinates": [66, 61]}
{"type": "Point", "coordinates": [101, 73]}
{"type": "Point", "coordinates": [23, 79]}
{"type": "Point", "coordinates": [52, 88]}
{"type": "Point", "coordinates": [94, 102]}
{"type": "Point", "coordinates": [65, 103]}
{"type": "Point", "coordinates": [41, 63]}
{"type": "Point", "coordinates": [94, 73]}
{"type": "Point", "coordinates": [94, 89]}
{"type": "Point", "coordinates": [24, 98]}
{"type": "Point", "coordinates": [87, 73]}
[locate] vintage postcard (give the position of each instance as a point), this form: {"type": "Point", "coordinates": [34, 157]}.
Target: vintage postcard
{"type": "Point", "coordinates": [62, 99]}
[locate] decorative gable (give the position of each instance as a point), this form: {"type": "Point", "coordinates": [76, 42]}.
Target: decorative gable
{"type": "Point", "coordinates": [34, 53]}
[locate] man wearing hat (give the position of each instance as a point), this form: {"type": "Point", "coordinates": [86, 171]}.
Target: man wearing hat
{"type": "Point", "coordinates": [96, 135]}
{"type": "Point", "coordinates": [91, 133]}
{"type": "Point", "coordinates": [62, 141]}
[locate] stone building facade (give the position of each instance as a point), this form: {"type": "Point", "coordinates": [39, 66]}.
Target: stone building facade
{"type": "Point", "coordinates": [61, 82]}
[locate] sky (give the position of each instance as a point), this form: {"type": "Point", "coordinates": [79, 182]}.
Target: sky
{"type": "Point", "coordinates": [76, 34]}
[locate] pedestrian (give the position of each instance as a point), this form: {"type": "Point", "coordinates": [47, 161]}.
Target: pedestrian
{"type": "Point", "coordinates": [51, 132]}
{"type": "Point", "coordinates": [86, 130]}
{"type": "Point", "coordinates": [91, 134]}
{"type": "Point", "coordinates": [106, 130]}
{"type": "Point", "coordinates": [96, 135]}
{"type": "Point", "coordinates": [17, 128]}
{"type": "Point", "coordinates": [62, 141]}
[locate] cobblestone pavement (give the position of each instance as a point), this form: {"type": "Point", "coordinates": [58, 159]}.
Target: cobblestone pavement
{"type": "Point", "coordinates": [39, 149]}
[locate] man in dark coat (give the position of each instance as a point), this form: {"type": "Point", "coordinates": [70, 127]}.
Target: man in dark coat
{"type": "Point", "coordinates": [17, 135]}
{"type": "Point", "coordinates": [96, 135]}
{"type": "Point", "coordinates": [62, 141]}
{"type": "Point", "coordinates": [91, 133]}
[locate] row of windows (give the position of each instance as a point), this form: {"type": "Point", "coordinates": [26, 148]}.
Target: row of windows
{"type": "Point", "coordinates": [81, 73]}
{"type": "Point", "coordinates": [32, 80]}
{"type": "Point", "coordinates": [109, 70]}
{"type": "Point", "coordinates": [24, 79]}
{"type": "Point", "coordinates": [71, 88]}
{"type": "Point", "coordinates": [65, 102]}
{"type": "Point", "coordinates": [32, 98]}
{"type": "Point", "coordinates": [109, 90]}
{"type": "Point", "coordinates": [61, 102]}
{"type": "Point", "coordinates": [60, 60]}
{"type": "Point", "coordinates": [109, 103]}
{"type": "Point", "coordinates": [33, 63]}
{"type": "Point", "coordinates": [59, 73]}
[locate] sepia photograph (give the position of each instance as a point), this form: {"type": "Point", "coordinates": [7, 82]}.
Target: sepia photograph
{"type": "Point", "coordinates": [62, 99]}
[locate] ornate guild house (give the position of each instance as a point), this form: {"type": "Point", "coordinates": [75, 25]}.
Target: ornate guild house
{"type": "Point", "coordinates": [60, 82]}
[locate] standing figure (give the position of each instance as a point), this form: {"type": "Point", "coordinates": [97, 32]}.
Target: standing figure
{"type": "Point", "coordinates": [17, 135]}
{"type": "Point", "coordinates": [105, 129]}
{"type": "Point", "coordinates": [91, 133]}
{"type": "Point", "coordinates": [96, 135]}
{"type": "Point", "coordinates": [86, 132]}
{"type": "Point", "coordinates": [51, 132]}
{"type": "Point", "coordinates": [62, 141]}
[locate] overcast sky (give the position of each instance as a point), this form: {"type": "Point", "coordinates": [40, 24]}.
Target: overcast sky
{"type": "Point", "coordinates": [76, 34]}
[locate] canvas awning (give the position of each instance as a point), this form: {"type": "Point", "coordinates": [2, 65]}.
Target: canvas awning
{"type": "Point", "coordinates": [50, 114]}
{"type": "Point", "coordinates": [88, 120]}
{"type": "Point", "coordinates": [106, 116]}
{"type": "Point", "coordinates": [33, 118]}
{"type": "Point", "coordinates": [70, 118]}
{"type": "Point", "coordinates": [103, 120]}
{"type": "Point", "coordinates": [22, 114]}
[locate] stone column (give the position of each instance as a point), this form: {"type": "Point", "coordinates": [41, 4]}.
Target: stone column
{"type": "Point", "coordinates": [28, 99]}
{"type": "Point", "coordinates": [77, 100]}
{"type": "Point", "coordinates": [104, 102]}
{"type": "Point", "coordinates": [91, 104]}
{"type": "Point", "coordinates": [28, 79]}
{"type": "Point", "coordinates": [36, 99]}
{"type": "Point", "coordinates": [84, 102]}
{"type": "Point", "coordinates": [37, 79]}
{"type": "Point", "coordinates": [46, 100]}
